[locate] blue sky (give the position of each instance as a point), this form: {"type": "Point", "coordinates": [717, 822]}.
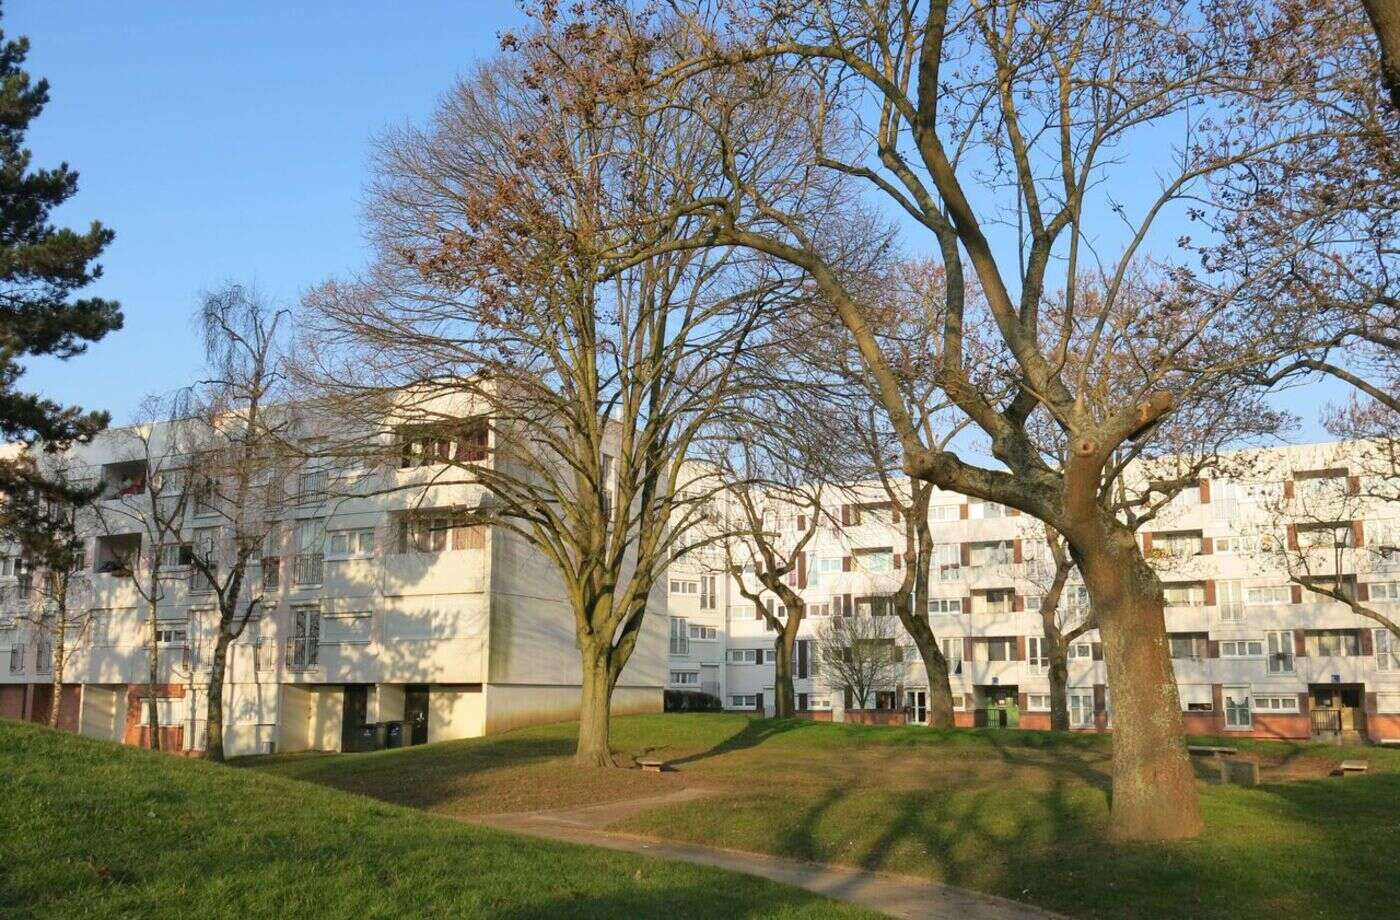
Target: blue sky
{"type": "Point", "coordinates": [233, 145]}
{"type": "Point", "coordinates": [227, 145]}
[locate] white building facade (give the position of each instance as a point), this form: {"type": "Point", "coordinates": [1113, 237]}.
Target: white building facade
{"type": "Point", "coordinates": [1254, 650]}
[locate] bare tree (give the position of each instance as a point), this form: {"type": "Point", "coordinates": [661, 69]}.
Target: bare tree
{"type": "Point", "coordinates": [1031, 112]}
{"type": "Point", "coordinates": [143, 517]}
{"type": "Point", "coordinates": [497, 341]}
{"type": "Point", "coordinates": [1047, 566]}
{"type": "Point", "coordinates": [44, 516]}
{"type": "Point", "coordinates": [860, 654]}
{"type": "Point", "coordinates": [238, 443]}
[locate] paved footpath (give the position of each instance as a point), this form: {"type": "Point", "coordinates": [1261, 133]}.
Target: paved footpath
{"type": "Point", "coordinates": [895, 895]}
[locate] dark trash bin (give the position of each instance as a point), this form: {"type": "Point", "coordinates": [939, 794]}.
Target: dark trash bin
{"type": "Point", "coordinates": [366, 738]}
{"type": "Point", "coordinates": [393, 734]}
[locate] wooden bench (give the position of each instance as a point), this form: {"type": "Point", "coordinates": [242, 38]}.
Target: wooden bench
{"type": "Point", "coordinates": [652, 765]}
{"type": "Point", "coordinates": [1211, 750]}
{"type": "Point", "coordinates": [1350, 766]}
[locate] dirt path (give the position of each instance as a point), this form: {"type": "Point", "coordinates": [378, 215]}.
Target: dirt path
{"type": "Point", "coordinates": [895, 895]}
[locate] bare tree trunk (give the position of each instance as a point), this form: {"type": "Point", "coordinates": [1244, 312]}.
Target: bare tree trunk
{"type": "Point", "coordinates": [594, 714]}
{"type": "Point", "coordinates": [1154, 787]}
{"type": "Point", "coordinates": [940, 691]}
{"type": "Point", "coordinates": [784, 704]}
{"type": "Point", "coordinates": [1385, 19]}
{"type": "Point", "coordinates": [153, 711]}
{"type": "Point", "coordinates": [1058, 653]}
{"type": "Point", "coordinates": [56, 704]}
{"type": "Point", "coordinates": [214, 704]}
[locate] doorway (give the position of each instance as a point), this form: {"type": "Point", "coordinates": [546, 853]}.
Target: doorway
{"type": "Point", "coordinates": [916, 702]}
{"type": "Point", "coordinates": [999, 708]}
{"type": "Point", "coordinates": [354, 711]}
{"type": "Point", "coordinates": [1337, 712]}
{"type": "Point", "coordinates": [415, 712]}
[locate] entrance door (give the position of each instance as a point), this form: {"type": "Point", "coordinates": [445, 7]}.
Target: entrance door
{"type": "Point", "coordinates": [354, 711]}
{"type": "Point", "coordinates": [917, 701]}
{"type": "Point", "coordinates": [415, 711]}
{"type": "Point", "coordinates": [1002, 710]}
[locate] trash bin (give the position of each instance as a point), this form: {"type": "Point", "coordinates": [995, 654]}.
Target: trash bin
{"type": "Point", "coordinates": [393, 734]}
{"type": "Point", "coordinates": [366, 737]}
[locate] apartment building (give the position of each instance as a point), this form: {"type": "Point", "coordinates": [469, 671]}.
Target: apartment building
{"type": "Point", "coordinates": [1255, 651]}
{"type": "Point", "coordinates": [377, 610]}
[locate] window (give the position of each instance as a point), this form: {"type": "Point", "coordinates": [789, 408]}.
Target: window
{"type": "Point", "coordinates": [1336, 643]}
{"type": "Point", "coordinates": [1229, 601]}
{"type": "Point", "coordinates": [953, 654]}
{"type": "Point", "coordinates": [743, 701]}
{"type": "Point", "coordinates": [997, 552]}
{"type": "Point", "coordinates": [707, 592]}
{"type": "Point", "coordinates": [1177, 545]}
{"type": "Point", "coordinates": [1081, 710]}
{"type": "Point", "coordinates": [987, 510]}
{"type": "Point", "coordinates": [873, 606]}
{"type": "Point", "coordinates": [1037, 653]}
{"type": "Point", "coordinates": [1385, 591]}
{"type": "Point", "coordinates": [306, 637]}
{"type": "Point", "coordinates": [312, 486]}
{"type": "Point", "coordinates": [346, 628]}
{"type": "Point", "coordinates": [1286, 702]}
{"type": "Point", "coordinates": [1241, 648]}
{"type": "Point", "coordinates": [310, 536]}
{"type": "Point", "coordinates": [175, 555]}
{"type": "Point", "coordinates": [959, 702]}
{"type": "Point", "coordinates": [745, 655]}
{"type": "Point", "coordinates": [1000, 649]}
{"type": "Point", "coordinates": [1075, 599]}
{"type": "Point", "coordinates": [358, 542]}
{"type": "Point", "coordinates": [819, 610]}
{"type": "Point", "coordinates": [703, 633]}
{"type": "Point", "coordinates": [172, 632]}
{"type": "Point", "coordinates": [998, 602]}
{"type": "Point", "coordinates": [1280, 643]}
{"type": "Point", "coordinates": [1083, 651]}
{"type": "Point", "coordinates": [949, 606]}
{"type": "Point", "coordinates": [829, 565]}
{"type": "Point", "coordinates": [685, 678]}
{"type": "Point", "coordinates": [1188, 645]}
{"type": "Point", "coordinates": [947, 561]}
{"type": "Point", "coordinates": [439, 531]}
{"type": "Point", "coordinates": [1184, 594]}
{"type": "Point", "coordinates": [1237, 714]}
{"type": "Point", "coordinates": [1033, 602]}
{"type": "Point", "coordinates": [271, 558]}
{"type": "Point", "coordinates": [684, 586]}
{"type": "Point", "coordinates": [169, 711]}
{"type": "Point", "coordinates": [875, 560]}
{"type": "Point", "coordinates": [1037, 702]}
{"type": "Point", "coordinates": [943, 512]}
{"type": "Point", "coordinates": [1268, 594]}
{"type": "Point", "coordinates": [1387, 649]}
{"type": "Point", "coordinates": [680, 637]}
{"type": "Point", "coordinates": [1236, 545]}
{"type": "Point", "coordinates": [438, 444]}
{"type": "Point", "coordinates": [1196, 698]}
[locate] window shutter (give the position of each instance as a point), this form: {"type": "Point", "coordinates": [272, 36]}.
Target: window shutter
{"type": "Point", "coordinates": [1292, 534]}
{"type": "Point", "coordinates": [1353, 485]}
{"type": "Point", "coordinates": [966, 554]}
{"type": "Point", "coordinates": [1016, 551]}
{"type": "Point", "coordinates": [1368, 647]}
{"type": "Point", "coordinates": [802, 569]}
{"type": "Point", "coordinates": [1207, 544]}
{"type": "Point", "coordinates": [1358, 536]}
{"type": "Point", "coordinates": [962, 511]}
{"type": "Point", "coordinates": [1300, 644]}
{"type": "Point", "coordinates": [847, 564]}
{"type": "Point", "coordinates": [1018, 602]}
{"type": "Point", "coordinates": [1205, 491]}
{"type": "Point", "coordinates": [1147, 544]}
{"type": "Point", "coordinates": [898, 560]}
{"type": "Point", "coordinates": [1210, 592]}
{"type": "Point", "coordinates": [845, 515]}
{"type": "Point", "coordinates": [894, 512]}
{"type": "Point", "coordinates": [1288, 488]}
{"type": "Point", "coordinates": [802, 522]}
{"type": "Point", "coordinates": [1297, 591]}
{"type": "Point", "coordinates": [1097, 649]}
{"type": "Point", "coordinates": [1363, 592]}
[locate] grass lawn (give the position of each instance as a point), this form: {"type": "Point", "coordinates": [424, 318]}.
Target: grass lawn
{"type": "Point", "coordinates": [1020, 814]}
{"type": "Point", "coordinates": [95, 830]}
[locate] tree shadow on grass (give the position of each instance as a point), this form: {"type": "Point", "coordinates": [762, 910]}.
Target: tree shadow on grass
{"type": "Point", "coordinates": [754, 733]}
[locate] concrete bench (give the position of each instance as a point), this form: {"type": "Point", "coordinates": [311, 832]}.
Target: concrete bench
{"type": "Point", "coordinates": [1239, 772]}
{"type": "Point", "coordinates": [651, 765]}
{"type": "Point", "coordinates": [1389, 742]}
{"type": "Point", "coordinates": [1211, 750]}
{"type": "Point", "coordinates": [1350, 766]}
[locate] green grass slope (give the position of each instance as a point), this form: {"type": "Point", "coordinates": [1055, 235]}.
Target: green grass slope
{"type": "Point", "coordinates": [92, 829]}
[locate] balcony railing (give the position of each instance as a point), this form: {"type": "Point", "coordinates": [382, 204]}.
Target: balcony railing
{"type": "Point", "coordinates": [265, 654]}
{"type": "Point", "coordinates": [307, 568]}
{"type": "Point", "coordinates": [301, 653]}
{"type": "Point", "coordinates": [200, 583]}
{"type": "Point", "coordinates": [43, 660]}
